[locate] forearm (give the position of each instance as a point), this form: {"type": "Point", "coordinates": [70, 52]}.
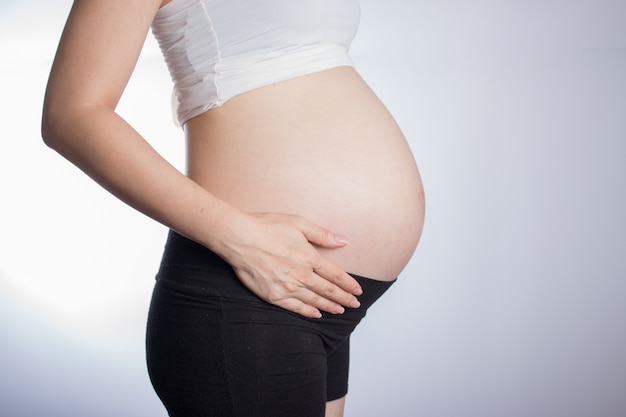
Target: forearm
{"type": "Point", "coordinates": [270, 255]}
{"type": "Point", "coordinates": [103, 145]}
{"type": "Point", "coordinates": [274, 255]}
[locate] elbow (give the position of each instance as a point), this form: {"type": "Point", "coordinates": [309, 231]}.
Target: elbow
{"type": "Point", "coordinates": [56, 126]}
{"type": "Point", "coordinates": [65, 125]}
{"type": "Point", "coordinates": [50, 128]}
{"type": "Point", "coordinates": [47, 134]}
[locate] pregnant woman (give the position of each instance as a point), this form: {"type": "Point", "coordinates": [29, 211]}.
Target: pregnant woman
{"type": "Point", "coordinates": [300, 205]}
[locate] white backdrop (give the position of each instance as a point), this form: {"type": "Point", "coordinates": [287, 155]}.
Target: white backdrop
{"type": "Point", "coordinates": [515, 301]}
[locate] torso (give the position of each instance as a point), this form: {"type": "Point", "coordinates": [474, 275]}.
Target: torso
{"type": "Point", "coordinates": [321, 146]}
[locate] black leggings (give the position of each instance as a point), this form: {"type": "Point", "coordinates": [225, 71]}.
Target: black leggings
{"type": "Point", "coordinates": [214, 349]}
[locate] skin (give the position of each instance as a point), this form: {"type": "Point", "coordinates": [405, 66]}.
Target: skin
{"type": "Point", "coordinates": [79, 121]}
{"type": "Point", "coordinates": [284, 231]}
{"type": "Point", "coordinates": [335, 408]}
{"type": "Point", "coordinates": [337, 158]}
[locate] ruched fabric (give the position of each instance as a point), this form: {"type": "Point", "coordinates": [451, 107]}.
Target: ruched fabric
{"type": "Point", "coordinates": [217, 49]}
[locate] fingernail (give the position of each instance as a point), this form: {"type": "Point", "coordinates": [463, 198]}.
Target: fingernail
{"type": "Point", "coordinates": [358, 291]}
{"type": "Point", "coordinates": [339, 310]}
{"type": "Point", "coordinates": [355, 304]}
{"type": "Point", "coordinates": [341, 239]}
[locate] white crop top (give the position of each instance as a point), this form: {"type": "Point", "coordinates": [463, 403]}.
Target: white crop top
{"type": "Point", "coordinates": [216, 49]}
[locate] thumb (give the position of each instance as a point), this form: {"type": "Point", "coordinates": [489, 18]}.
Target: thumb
{"type": "Point", "coordinates": [323, 237]}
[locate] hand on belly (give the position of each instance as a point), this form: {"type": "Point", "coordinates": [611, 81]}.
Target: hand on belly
{"type": "Point", "coordinates": [273, 255]}
{"type": "Point", "coordinates": [322, 147]}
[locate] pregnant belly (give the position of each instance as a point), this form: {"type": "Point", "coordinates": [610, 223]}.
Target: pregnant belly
{"type": "Point", "coordinates": [322, 147]}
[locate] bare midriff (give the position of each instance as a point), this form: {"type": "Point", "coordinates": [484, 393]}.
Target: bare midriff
{"type": "Point", "coordinates": [323, 147]}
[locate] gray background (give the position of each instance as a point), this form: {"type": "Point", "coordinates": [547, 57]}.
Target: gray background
{"type": "Point", "coordinates": [514, 303]}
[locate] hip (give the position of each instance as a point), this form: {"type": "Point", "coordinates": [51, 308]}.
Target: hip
{"type": "Point", "coordinates": [191, 276]}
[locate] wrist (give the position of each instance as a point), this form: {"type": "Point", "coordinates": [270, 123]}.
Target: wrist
{"type": "Point", "coordinates": [224, 231]}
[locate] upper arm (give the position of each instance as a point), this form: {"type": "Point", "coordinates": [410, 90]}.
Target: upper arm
{"type": "Point", "coordinates": [97, 53]}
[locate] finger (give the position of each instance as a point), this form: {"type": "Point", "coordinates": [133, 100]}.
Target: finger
{"type": "Point", "coordinates": [339, 278]}
{"type": "Point", "coordinates": [310, 294]}
{"type": "Point", "coordinates": [325, 304]}
{"type": "Point", "coordinates": [305, 301]}
{"type": "Point", "coordinates": [331, 297]}
{"type": "Point", "coordinates": [321, 236]}
{"type": "Point", "coordinates": [300, 307]}
{"type": "Point", "coordinates": [309, 304]}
